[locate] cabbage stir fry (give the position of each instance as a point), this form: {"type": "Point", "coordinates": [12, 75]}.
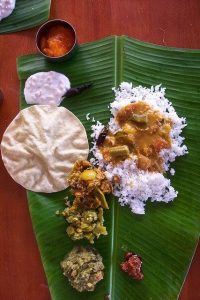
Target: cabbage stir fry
{"type": "Point", "coordinates": [88, 185]}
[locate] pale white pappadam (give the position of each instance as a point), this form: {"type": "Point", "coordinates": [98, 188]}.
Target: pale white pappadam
{"type": "Point", "coordinates": [41, 145]}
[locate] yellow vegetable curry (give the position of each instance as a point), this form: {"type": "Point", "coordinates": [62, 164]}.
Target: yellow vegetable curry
{"type": "Point", "coordinates": [143, 132]}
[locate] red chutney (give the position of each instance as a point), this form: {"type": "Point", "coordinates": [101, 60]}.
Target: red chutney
{"type": "Point", "coordinates": [132, 265]}
{"type": "Point", "coordinates": [57, 41]}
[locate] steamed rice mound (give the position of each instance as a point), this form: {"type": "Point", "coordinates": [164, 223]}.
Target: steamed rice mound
{"type": "Point", "coordinates": [138, 186]}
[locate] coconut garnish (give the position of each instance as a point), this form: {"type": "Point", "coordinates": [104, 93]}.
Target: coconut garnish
{"type": "Point", "coordinates": [137, 185]}
{"type": "Point", "coordinates": [46, 88]}
{"type": "Point", "coordinates": [6, 8]}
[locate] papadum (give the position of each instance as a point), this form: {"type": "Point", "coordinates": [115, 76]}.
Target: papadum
{"type": "Point", "coordinates": [41, 145]}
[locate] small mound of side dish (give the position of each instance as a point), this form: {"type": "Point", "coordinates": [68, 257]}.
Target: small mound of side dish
{"type": "Point", "coordinates": [138, 145]}
{"type": "Point", "coordinates": [132, 265]}
{"type": "Point", "coordinates": [46, 88]}
{"type": "Point", "coordinates": [88, 185]}
{"type": "Point", "coordinates": [6, 8]}
{"type": "Point", "coordinates": [84, 268]}
{"type": "Point", "coordinates": [50, 88]}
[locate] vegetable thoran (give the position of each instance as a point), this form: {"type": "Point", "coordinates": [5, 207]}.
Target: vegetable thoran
{"type": "Point", "coordinates": [84, 268]}
{"type": "Point", "coordinates": [85, 215]}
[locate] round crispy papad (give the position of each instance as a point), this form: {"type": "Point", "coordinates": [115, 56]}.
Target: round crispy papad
{"type": "Point", "coordinates": [41, 145]}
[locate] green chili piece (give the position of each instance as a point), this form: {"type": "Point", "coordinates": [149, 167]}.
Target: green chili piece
{"type": "Point", "coordinates": [100, 195]}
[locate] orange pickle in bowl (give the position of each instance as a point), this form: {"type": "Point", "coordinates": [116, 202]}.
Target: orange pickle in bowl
{"type": "Point", "coordinates": [57, 41]}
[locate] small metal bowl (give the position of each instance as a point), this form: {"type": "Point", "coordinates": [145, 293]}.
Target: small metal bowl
{"type": "Point", "coordinates": [42, 31]}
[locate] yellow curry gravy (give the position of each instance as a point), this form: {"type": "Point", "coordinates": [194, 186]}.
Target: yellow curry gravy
{"type": "Point", "coordinates": [144, 132]}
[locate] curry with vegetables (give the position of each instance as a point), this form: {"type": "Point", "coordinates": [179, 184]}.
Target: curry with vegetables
{"type": "Point", "coordinates": [143, 133]}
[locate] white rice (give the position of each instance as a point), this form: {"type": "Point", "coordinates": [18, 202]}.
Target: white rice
{"type": "Point", "coordinates": [138, 186]}
{"type": "Point", "coordinates": [87, 116]}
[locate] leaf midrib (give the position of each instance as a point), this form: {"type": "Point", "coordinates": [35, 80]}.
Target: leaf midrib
{"type": "Point", "coordinates": [115, 207]}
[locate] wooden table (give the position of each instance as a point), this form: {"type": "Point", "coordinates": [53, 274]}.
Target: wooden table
{"type": "Point", "coordinates": [166, 22]}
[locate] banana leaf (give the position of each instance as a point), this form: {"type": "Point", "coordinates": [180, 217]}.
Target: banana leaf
{"type": "Point", "coordinates": [167, 235]}
{"type": "Point", "coordinates": [27, 14]}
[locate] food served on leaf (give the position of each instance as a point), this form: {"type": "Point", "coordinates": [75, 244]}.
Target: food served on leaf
{"type": "Point", "coordinates": [86, 224]}
{"type": "Point", "coordinates": [6, 8]}
{"type": "Point", "coordinates": [41, 145]}
{"type": "Point", "coordinates": [46, 88]}
{"type": "Point", "coordinates": [132, 265]}
{"type": "Point", "coordinates": [143, 132]}
{"type": "Point", "coordinates": [50, 88]}
{"type": "Point", "coordinates": [138, 144]}
{"type": "Point", "coordinates": [88, 184]}
{"type": "Point", "coordinates": [84, 268]}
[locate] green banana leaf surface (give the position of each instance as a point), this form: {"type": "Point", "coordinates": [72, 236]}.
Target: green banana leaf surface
{"type": "Point", "coordinates": [27, 14]}
{"type": "Point", "coordinates": [167, 235]}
